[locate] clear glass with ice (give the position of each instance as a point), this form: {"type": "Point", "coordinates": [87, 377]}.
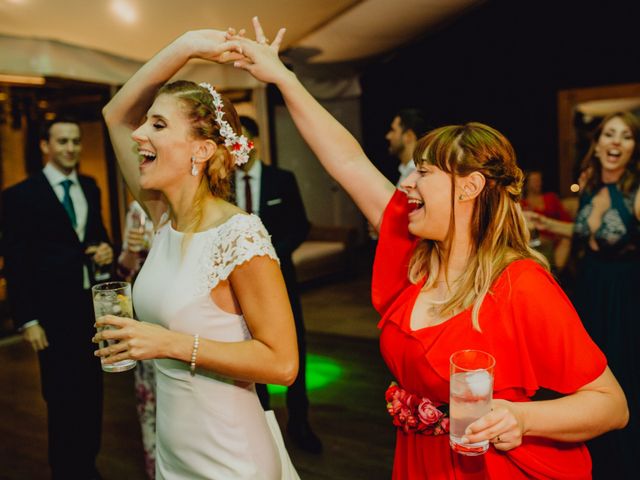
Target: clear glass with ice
{"type": "Point", "coordinates": [471, 391]}
{"type": "Point", "coordinates": [113, 298]}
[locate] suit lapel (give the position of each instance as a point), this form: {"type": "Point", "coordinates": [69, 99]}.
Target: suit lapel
{"type": "Point", "coordinates": [266, 187]}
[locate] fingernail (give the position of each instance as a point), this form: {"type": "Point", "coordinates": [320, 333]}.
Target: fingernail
{"type": "Point", "coordinates": [464, 440]}
{"type": "Point", "coordinates": [467, 431]}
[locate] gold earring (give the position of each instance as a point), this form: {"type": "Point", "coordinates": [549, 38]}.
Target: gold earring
{"type": "Point", "coordinates": [461, 197]}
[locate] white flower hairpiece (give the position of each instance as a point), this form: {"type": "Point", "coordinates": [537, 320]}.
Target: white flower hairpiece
{"type": "Point", "coordinates": [239, 146]}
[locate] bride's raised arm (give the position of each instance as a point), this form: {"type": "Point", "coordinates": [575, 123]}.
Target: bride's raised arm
{"type": "Point", "coordinates": [126, 110]}
{"type": "Point", "coordinates": [338, 151]}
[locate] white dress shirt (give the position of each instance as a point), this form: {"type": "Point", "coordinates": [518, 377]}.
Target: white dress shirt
{"type": "Point", "coordinates": [255, 172]}
{"type": "Point", "coordinates": [80, 205]}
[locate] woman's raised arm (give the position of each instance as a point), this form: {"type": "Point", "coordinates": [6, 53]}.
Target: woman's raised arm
{"type": "Point", "coordinates": [124, 113]}
{"type": "Point", "coordinates": [338, 151]}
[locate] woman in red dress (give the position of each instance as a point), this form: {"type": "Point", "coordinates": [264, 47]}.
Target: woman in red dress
{"type": "Point", "coordinates": [453, 271]}
{"type": "Point", "coordinates": [554, 247]}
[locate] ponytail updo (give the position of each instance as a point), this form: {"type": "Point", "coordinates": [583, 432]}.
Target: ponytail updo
{"type": "Point", "coordinates": [198, 105]}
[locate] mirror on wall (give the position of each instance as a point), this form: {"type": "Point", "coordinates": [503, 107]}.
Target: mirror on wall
{"type": "Point", "coordinates": [579, 112]}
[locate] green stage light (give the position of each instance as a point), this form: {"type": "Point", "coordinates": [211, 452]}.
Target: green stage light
{"type": "Point", "coordinates": [321, 371]}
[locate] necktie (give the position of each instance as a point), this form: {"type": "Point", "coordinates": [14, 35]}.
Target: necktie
{"type": "Point", "coordinates": [248, 199]}
{"type": "Point", "coordinates": [67, 203]}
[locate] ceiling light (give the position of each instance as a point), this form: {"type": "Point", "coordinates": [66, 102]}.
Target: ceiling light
{"type": "Point", "coordinates": [125, 11]}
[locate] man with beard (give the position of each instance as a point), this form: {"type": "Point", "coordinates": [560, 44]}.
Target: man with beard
{"type": "Point", "coordinates": [407, 127]}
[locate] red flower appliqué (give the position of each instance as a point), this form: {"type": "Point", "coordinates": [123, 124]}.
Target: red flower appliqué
{"type": "Point", "coordinates": [416, 414]}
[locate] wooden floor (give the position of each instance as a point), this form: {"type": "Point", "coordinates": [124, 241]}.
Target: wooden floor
{"type": "Point", "coordinates": [349, 414]}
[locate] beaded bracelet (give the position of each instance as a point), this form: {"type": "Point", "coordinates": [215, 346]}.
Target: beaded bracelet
{"type": "Point", "coordinates": [194, 354]}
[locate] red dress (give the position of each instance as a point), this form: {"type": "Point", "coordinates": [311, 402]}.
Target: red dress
{"type": "Point", "coordinates": [528, 325]}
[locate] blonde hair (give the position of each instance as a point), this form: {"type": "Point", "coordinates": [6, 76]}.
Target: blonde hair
{"type": "Point", "coordinates": [498, 229]}
{"type": "Point", "coordinates": [218, 171]}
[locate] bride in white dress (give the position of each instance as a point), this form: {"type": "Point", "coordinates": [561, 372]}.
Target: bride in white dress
{"type": "Point", "coordinates": [214, 308]}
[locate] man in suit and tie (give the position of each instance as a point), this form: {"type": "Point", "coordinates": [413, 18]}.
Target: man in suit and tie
{"type": "Point", "coordinates": [273, 195]}
{"type": "Point", "coordinates": [49, 221]}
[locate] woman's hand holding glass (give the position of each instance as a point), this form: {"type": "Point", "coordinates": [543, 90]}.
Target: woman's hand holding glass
{"type": "Point", "coordinates": [133, 339]}
{"type": "Point", "coordinates": [503, 426]}
{"type": "Point", "coordinates": [137, 240]}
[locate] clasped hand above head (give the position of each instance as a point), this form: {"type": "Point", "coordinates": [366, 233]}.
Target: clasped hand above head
{"type": "Point", "coordinates": [259, 57]}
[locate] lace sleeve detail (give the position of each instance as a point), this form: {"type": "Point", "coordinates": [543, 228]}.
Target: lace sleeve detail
{"type": "Point", "coordinates": [231, 244]}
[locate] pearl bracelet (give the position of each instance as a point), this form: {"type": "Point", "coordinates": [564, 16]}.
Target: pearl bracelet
{"type": "Point", "coordinates": [194, 354]}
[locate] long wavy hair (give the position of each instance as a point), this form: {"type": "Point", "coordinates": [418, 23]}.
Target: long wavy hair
{"type": "Point", "coordinates": [630, 179]}
{"type": "Point", "coordinates": [498, 229]}
{"type": "Point", "coordinates": [218, 171]}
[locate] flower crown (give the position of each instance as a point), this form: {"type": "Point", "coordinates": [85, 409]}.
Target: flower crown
{"type": "Point", "coordinates": [239, 146]}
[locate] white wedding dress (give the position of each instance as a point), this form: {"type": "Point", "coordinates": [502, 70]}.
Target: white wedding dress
{"type": "Point", "coordinates": [208, 426]}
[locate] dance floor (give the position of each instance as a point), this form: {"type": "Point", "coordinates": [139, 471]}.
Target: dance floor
{"type": "Point", "coordinates": [347, 380]}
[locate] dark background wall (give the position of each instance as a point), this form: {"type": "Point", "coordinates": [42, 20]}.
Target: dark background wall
{"type": "Point", "coordinates": [503, 64]}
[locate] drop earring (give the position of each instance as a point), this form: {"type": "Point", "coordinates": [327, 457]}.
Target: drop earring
{"type": "Point", "coordinates": [194, 169]}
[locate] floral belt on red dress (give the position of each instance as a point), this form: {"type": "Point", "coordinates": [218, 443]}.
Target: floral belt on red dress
{"type": "Point", "coordinates": [414, 414]}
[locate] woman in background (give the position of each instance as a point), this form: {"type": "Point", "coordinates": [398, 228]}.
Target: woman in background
{"type": "Point", "coordinates": [607, 285]}
{"type": "Point", "coordinates": [554, 247]}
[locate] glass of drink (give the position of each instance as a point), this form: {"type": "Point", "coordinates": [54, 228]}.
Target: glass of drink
{"type": "Point", "coordinates": [113, 298]}
{"type": "Point", "coordinates": [99, 273]}
{"type": "Point", "coordinates": [138, 224]}
{"type": "Point", "coordinates": [471, 391]}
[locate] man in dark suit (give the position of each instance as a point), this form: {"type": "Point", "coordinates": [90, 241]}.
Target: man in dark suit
{"type": "Point", "coordinates": [49, 221]}
{"type": "Point", "coordinates": [273, 195]}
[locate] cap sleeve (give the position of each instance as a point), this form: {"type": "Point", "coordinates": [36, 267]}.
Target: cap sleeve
{"type": "Point", "coordinates": [235, 242]}
{"type": "Point", "coordinates": [393, 253]}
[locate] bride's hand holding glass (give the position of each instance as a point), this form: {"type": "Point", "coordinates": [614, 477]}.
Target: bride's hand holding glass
{"type": "Point", "coordinates": [131, 339]}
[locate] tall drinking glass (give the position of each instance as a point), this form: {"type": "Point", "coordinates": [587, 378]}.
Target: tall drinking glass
{"type": "Point", "coordinates": [113, 298]}
{"type": "Point", "coordinates": [471, 391]}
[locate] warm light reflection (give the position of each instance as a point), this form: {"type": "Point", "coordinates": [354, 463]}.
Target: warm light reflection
{"type": "Point", "coordinates": [124, 10]}
{"type": "Point", "coordinates": [575, 188]}
{"type": "Point", "coordinates": [22, 79]}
